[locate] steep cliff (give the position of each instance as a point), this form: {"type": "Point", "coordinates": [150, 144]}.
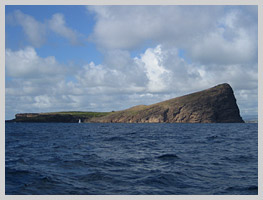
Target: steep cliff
{"type": "Point", "coordinates": [214, 105]}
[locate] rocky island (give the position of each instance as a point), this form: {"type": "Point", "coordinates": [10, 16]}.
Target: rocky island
{"type": "Point", "coordinates": [214, 105]}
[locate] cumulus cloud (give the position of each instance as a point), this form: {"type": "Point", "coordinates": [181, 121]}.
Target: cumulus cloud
{"type": "Point", "coordinates": [163, 74]}
{"type": "Point", "coordinates": [37, 32]}
{"type": "Point", "coordinates": [33, 82]}
{"type": "Point", "coordinates": [209, 34]}
{"type": "Point", "coordinates": [26, 63]}
{"type": "Point", "coordinates": [155, 71]}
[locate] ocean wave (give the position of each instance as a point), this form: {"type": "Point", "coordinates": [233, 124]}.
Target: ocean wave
{"type": "Point", "coordinates": [168, 157]}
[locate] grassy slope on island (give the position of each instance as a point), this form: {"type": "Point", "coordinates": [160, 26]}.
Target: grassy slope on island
{"type": "Point", "coordinates": [78, 113]}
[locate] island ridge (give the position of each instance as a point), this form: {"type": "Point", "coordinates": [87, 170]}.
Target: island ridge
{"type": "Point", "coordinates": [214, 105]}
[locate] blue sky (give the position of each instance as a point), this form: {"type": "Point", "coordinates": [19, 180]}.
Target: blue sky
{"type": "Point", "coordinates": [55, 45]}
{"type": "Point", "coordinates": [103, 58]}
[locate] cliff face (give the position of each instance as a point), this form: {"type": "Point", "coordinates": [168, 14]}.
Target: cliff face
{"type": "Point", "coordinates": [214, 105]}
{"type": "Point", "coordinates": [38, 117]}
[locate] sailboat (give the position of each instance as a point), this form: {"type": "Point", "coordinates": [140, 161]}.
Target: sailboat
{"type": "Point", "coordinates": [79, 120]}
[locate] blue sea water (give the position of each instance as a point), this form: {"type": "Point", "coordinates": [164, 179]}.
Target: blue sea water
{"type": "Point", "coordinates": [131, 159]}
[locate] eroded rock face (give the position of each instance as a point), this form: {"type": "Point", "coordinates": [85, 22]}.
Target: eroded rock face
{"type": "Point", "coordinates": [214, 105]}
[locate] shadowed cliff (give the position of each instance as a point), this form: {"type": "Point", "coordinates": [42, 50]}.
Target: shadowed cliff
{"type": "Point", "coordinates": [214, 105]}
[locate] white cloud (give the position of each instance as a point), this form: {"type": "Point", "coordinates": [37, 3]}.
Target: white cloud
{"type": "Point", "coordinates": [37, 32]}
{"type": "Point", "coordinates": [163, 72]}
{"type": "Point", "coordinates": [208, 34]}
{"type": "Point", "coordinates": [40, 82]}
{"type": "Point", "coordinates": [34, 30]}
{"type": "Point", "coordinates": [232, 42]}
{"type": "Point", "coordinates": [127, 27]}
{"type": "Point", "coordinates": [26, 63]}
{"type": "Point", "coordinates": [42, 101]}
{"type": "Point", "coordinates": [155, 71]}
{"type": "Point", "coordinates": [58, 25]}
{"type": "Point", "coordinates": [34, 83]}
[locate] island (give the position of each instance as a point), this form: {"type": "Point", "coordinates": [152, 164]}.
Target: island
{"type": "Point", "coordinates": [213, 105]}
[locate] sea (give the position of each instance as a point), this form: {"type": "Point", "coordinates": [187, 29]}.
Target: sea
{"type": "Point", "coordinates": [131, 159]}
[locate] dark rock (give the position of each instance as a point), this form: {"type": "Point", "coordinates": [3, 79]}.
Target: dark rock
{"type": "Point", "coordinates": [45, 118]}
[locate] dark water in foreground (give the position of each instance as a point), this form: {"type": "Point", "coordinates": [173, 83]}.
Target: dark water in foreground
{"type": "Point", "coordinates": [131, 158]}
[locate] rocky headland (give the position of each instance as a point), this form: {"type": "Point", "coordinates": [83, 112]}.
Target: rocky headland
{"type": "Point", "coordinates": [214, 105]}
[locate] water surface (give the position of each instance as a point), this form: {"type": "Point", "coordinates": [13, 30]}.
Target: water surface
{"type": "Point", "coordinates": [131, 159]}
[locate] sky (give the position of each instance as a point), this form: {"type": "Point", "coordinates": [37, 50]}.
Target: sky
{"type": "Point", "coordinates": [104, 58]}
